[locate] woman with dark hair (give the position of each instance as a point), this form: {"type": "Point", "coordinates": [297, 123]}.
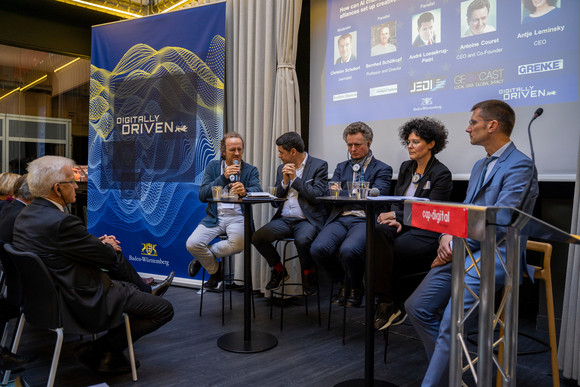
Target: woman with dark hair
{"type": "Point", "coordinates": [403, 250]}
{"type": "Point", "coordinates": [540, 10]}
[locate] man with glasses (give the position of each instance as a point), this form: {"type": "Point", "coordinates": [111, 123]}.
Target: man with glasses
{"type": "Point", "coordinates": [96, 282]}
{"type": "Point", "coordinates": [340, 247]}
{"type": "Point", "coordinates": [496, 180]}
{"type": "Point", "coordinates": [222, 218]}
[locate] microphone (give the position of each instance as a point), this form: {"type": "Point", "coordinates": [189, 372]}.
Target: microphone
{"type": "Point", "coordinates": [526, 190]}
{"type": "Point", "coordinates": [374, 192]}
{"type": "Point", "coordinates": [236, 177]}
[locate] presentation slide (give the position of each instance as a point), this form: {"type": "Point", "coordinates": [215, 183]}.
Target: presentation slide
{"type": "Point", "coordinates": [386, 61]}
{"type": "Point", "coordinates": [400, 58]}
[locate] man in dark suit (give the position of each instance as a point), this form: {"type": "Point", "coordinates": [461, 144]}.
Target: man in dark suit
{"type": "Point", "coordinates": [496, 180]}
{"type": "Point", "coordinates": [222, 218]}
{"type": "Point", "coordinates": [301, 179]}
{"type": "Point", "coordinates": [9, 306]}
{"type": "Point", "coordinates": [93, 300]}
{"type": "Point", "coordinates": [344, 234]}
{"type": "Point", "coordinates": [425, 28]}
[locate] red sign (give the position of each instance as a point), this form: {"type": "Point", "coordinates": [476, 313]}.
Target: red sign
{"type": "Point", "coordinates": [440, 218]}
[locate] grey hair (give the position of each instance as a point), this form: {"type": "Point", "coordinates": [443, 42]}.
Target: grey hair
{"type": "Point", "coordinates": [45, 172]}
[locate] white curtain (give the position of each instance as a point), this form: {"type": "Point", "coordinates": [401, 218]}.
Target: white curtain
{"type": "Point", "coordinates": [569, 346]}
{"type": "Point", "coordinates": [262, 97]}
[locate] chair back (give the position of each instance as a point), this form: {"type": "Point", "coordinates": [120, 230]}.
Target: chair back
{"type": "Point", "coordinates": [40, 294]}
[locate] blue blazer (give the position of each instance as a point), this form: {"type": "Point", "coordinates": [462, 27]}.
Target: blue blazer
{"type": "Point", "coordinates": [314, 183]}
{"type": "Point", "coordinates": [378, 174]}
{"type": "Point", "coordinates": [503, 188]}
{"type": "Point", "coordinates": [249, 176]}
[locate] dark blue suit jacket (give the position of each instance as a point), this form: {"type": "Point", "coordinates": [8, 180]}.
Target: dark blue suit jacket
{"type": "Point", "coordinates": [213, 176]}
{"type": "Point", "coordinates": [314, 183]}
{"type": "Point", "coordinates": [378, 174]}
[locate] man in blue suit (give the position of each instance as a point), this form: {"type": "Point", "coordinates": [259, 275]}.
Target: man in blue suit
{"type": "Point", "coordinates": [300, 179]}
{"type": "Point", "coordinates": [496, 180]}
{"type": "Point", "coordinates": [344, 234]}
{"type": "Point", "coordinates": [222, 218]}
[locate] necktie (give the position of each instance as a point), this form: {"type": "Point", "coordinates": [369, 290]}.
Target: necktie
{"type": "Point", "coordinates": [484, 172]}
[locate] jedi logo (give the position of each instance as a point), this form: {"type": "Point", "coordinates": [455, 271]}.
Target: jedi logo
{"type": "Point", "coordinates": [149, 249]}
{"type": "Point", "coordinates": [432, 84]}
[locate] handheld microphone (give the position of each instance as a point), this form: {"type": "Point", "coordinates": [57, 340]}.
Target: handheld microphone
{"type": "Point", "coordinates": [526, 190]}
{"type": "Point", "coordinates": [236, 177]}
{"type": "Point", "coordinates": [374, 192]}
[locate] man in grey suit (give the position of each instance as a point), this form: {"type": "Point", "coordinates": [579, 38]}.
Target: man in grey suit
{"type": "Point", "coordinates": [496, 180]}
{"type": "Point", "coordinates": [92, 299]}
{"type": "Point", "coordinates": [300, 179]}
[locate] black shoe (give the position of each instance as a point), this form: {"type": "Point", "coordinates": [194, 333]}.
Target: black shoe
{"type": "Point", "coordinates": [88, 355]}
{"type": "Point", "coordinates": [12, 361]}
{"type": "Point", "coordinates": [387, 312]}
{"type": "Point", "coordinates": [115, 362]}
{"type": "Point", "coordinates": [309, 284]}
{"type": "Point", "coordinates": [354, 298]}
{"type": "Point", "coordinates": [161, 288]}
{"type": "Point", "coordinates": [193, 268]}
{"type": "Point", "coordinates": [338, 299]}
{"type": "Point", "coordinates": [276, 279]}
{"type": "Point", "coordinates": [215, 278]}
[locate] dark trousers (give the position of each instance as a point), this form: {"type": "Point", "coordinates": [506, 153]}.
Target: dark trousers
{"type": "Point", "coordinates": [125, 272]}
{"type": "Point", "coordinates": [301, 229]}
{"type": "Point", "coordinates": [398, 255]}
{"type": "Point", "coordinates": [340, 248]}
{"type": "Point", "coordinates": [146, 312]}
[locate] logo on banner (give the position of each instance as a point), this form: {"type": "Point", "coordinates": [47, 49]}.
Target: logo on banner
{"type": "Point", "coordinates": [440, 218]}
{"type": "Point", "coordinates": [149, 249]}
{"type": "Point", "coordinates": [148, 124]}
{"type": "Point", "coordinates": [432, 84]}
{"type": "Point", "coordinates": [478, 79]}
{"type": "Point", "coordinates": [541, 67]}
{"type": "Point", "coordinates": [525, 92]}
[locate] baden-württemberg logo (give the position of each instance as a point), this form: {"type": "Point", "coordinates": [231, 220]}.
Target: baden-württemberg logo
{"type": "Point", "coordinates": [149, 249]}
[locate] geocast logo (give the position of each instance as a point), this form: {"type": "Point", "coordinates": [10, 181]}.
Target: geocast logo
{"type": "Point", "coordinates": [149, 249]}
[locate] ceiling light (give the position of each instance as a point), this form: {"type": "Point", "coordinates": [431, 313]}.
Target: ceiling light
{"type": "Point", "coordinates": [66, 64]}
{"type": "Point", "coordinates": [90, 5]}
{"type": "Point", "coordinates": [24, 88]}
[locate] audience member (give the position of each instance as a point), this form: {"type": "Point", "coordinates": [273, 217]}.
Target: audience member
{"type": "Point", "coordinates": [7, 181]}
{"type": "Point", "coordinates": [300, 179]}
{"type": "Point", "coordinates": [94, 299]}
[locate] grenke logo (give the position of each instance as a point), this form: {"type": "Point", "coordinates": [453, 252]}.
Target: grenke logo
{"type": "Point", "coordinates": [541, 67]}
{"type": "Point", "coordinates": [148, 124]}
{"type": "Point", "coordinates": [432, 84]}
{"type": "Point", "coordinates": [478, 79]}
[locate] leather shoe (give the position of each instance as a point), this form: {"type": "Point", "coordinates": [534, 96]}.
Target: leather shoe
{"type": "Point", "coordinates": [338, 299]}
{"type": "Point", "coordinates": [215, 278]}
{"type": "Point", "coordinates": [277, 278]}
{"type": "Point", "coordinates": [115, 362]}
{"type": "Point", "coordinates": [88, 355]}
{"type": "Point", "coordinates": [354, 298]}
{"type": "Point", "coordinates": [309, 284]}
{"type": "Point", "coordinates": [149, 281]}
{"type": "Point", "coordinates": [12, 361]}
{"type": "Point", "coordinates": [387, 313]}
{"type": "Point", "coordinates": [193, 268]}
{"type": "Point", "coordinates": [161, 287]}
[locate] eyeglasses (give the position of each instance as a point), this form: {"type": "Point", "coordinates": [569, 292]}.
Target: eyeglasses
{"type": "Point", "coordinates": [67, 182]}
{"type": "Point", "coordinates": [473, 122]}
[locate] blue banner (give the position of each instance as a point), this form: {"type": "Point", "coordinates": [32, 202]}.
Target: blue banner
{"type": "Point", "coordinates": [156, 120]}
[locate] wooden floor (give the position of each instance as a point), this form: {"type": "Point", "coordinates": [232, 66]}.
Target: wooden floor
{"type": "Point", "coordinates": [185, 353]}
